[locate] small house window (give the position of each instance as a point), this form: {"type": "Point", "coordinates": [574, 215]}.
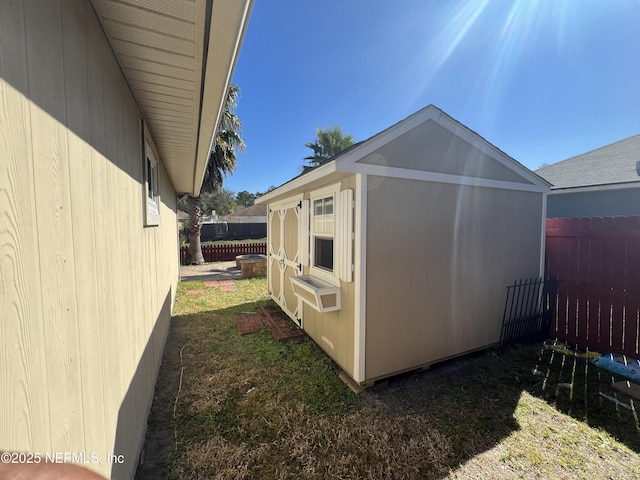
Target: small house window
{"type": "Point", "coordinates": [151, 185]}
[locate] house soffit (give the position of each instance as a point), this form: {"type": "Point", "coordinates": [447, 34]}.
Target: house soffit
{"type": "Point", "coordinates": [167, 50]}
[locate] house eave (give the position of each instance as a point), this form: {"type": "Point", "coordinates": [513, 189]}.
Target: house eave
{"type": "Point", "coordinates": [229, 22]}
{"type": "Point", "coordinates": [594, 188]}
{"type": "Point", "coordinates": [178, 59]}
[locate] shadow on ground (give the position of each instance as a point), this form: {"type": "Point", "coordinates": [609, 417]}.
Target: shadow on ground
{"type": "Point", "coordinates": [247, 407]}
{"type": "Point", "coordinates": [566, 378]}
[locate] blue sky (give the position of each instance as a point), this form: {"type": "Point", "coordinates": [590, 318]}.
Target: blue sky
{"type": "Point", "coordinates": [543, 80]}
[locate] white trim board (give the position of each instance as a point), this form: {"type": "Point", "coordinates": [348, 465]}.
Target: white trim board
{"type": "Point", "coordinates": [360, 278]}
{"type": "Point", "coordinates": [409, 174]}
{"type": "Point", "coordinates": [316, 174]}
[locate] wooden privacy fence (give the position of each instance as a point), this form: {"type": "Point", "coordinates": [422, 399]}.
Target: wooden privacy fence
{"type": "Point", "coordinates": [225, 253]}
{"type": "Point", "coordinates": [597, 264]}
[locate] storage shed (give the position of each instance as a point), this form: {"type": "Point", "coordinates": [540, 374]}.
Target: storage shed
{"type": "Point", "coordinates": [396, 253]}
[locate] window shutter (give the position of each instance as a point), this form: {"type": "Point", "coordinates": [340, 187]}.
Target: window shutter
{"type": "Point", "coordinates": [345, 239]}
{"type": "Point", "coordinates": [303, 233]}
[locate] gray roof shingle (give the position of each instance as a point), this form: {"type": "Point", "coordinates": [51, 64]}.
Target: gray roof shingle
{"type": "Point", "coordinates": [252, 211]}
{"type": "Point", "coordinates": [615, 163]}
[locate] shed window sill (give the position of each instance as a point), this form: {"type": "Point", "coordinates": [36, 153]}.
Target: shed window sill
{"type": "Point", "coordinates": [316, 293]}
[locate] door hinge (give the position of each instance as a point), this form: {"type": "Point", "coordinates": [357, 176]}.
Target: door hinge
{"type": "Point", "coordinates": [300, 204]}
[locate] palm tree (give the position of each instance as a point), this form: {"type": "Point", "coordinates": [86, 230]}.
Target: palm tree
{"type": "Point", "coordinates": [222, 160]}
{"type": "Point", "coordinates": [329, 142]}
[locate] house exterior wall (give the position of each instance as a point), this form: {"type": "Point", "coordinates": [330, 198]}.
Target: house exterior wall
{"type": "Point", "coordinates": [595, 203]}
{"type": "Point", "coordinates": [438, 260]}
{"type": "Point", "coordinates": [85, 289]}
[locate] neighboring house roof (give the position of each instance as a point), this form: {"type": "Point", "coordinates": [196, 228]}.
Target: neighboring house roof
{"type": "Point", "coordinates": [178, 57]}
{"type": "Point", "coordinates": [350, 160]}
{"type": "Point", "coordinates": [252, 211]}
{"type": "Point", "coordinates": [182, 215]}
{"type": "Point", "coordinates": [612, 164]}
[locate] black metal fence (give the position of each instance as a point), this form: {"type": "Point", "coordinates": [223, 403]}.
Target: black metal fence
{"type": "Point", "coordinates": [527, 310]}
{"type": "Point", "coordinates": [232, 231]}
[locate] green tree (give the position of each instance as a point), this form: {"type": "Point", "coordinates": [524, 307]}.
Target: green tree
{"type": "Point", "coordinates": [245, 198]}
{"type": "Point", "coordinates": [223, 201]}
{"type": "Point", "coordinates": [259, 194]}
{"type": "Point", "coordinates": [328, 143]}
{"type": "Point", "coordinates": [222, 160]}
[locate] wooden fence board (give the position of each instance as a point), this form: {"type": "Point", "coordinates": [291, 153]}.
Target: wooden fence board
{"type": "Point", "coordinates": [597, 263]}
{"type": "Point", "coordinates": [593, 314]}
{"type": "Point", "coordinates": [225, 253]}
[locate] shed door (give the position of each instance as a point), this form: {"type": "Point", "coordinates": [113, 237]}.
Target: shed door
{"type": "Point", "coordinates": [284, 255]}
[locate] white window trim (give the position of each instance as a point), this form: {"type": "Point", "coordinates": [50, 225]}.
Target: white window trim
{"type": "Point", "coordinates": [150, 156]}
{"type": "Point", "coordinates": [330, 191]}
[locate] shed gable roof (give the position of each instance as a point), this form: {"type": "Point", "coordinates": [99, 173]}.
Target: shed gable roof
{"type": "Point", "coordinates": [178, 57]}
{"type": "Point", "coordinates": [612, 164]}
{"type": "Point", "coordinates": [430, 147]}
{"type": "Point", "coordinates": [461, 157]}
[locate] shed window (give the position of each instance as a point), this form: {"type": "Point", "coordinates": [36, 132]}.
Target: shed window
{"type": "Point", "coordinates": [330, 237]}
{"type": "Point", "coordinates": [324, 253]}
{"type": "Point", "coordinates": [323, 222]}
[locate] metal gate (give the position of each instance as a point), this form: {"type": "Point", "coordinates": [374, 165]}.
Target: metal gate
{"type": "Point", "coordinates": [527, 311]}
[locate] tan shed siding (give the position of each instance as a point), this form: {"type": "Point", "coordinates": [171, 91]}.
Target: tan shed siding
{"type": "Point", "coordinates": [334, 331]}
{"type": "Point", "coordinates": [85, 289]}
{"type": "Point", "coordinates": [431, 147]}
{"type": "Point", "coordinates": [439, 257]}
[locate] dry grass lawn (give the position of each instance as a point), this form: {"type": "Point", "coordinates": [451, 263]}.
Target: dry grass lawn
{"type": "Point", "coordinates": [231, 407]}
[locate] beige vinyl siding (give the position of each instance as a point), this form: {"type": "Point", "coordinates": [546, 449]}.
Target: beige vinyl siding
{"type": "Point", "coordinates": [439, 258]}
{"type": "Point", "coordinates": [85, 289]}
{"type": "Point", "coordinates": [334, 331]}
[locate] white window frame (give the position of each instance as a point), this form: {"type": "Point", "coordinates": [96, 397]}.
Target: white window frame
{"type": "Point", "coordinates": [151, 190]}
{"type": "Point", "coordinates": [322, 273]}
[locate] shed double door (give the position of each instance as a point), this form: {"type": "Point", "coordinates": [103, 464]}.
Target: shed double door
{"type": "Point", "coordinates": [285, 253]}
